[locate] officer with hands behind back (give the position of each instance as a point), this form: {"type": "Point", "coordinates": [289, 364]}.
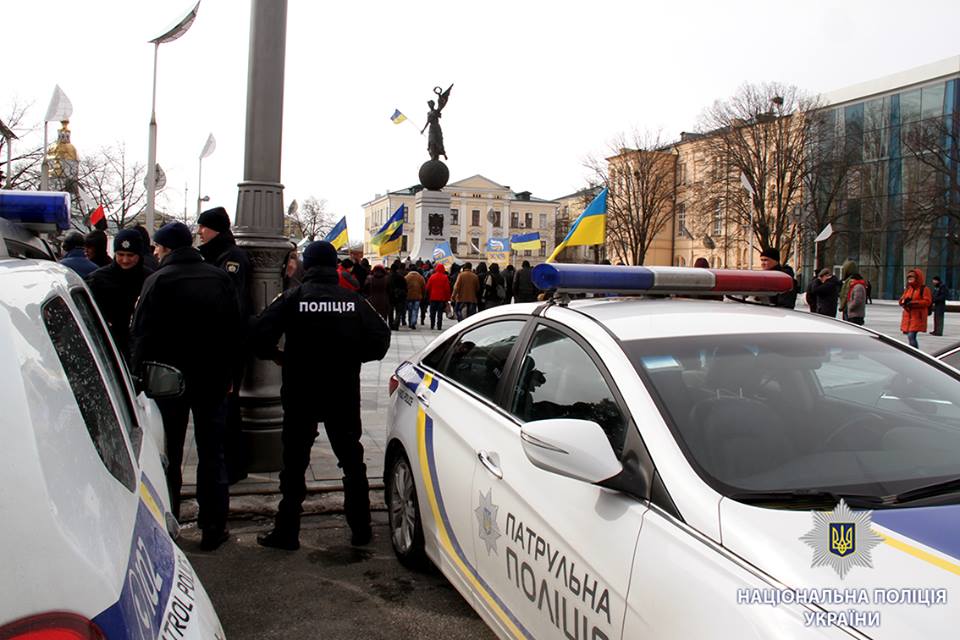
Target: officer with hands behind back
{"type": "Point", "coordinates": [330, 331]}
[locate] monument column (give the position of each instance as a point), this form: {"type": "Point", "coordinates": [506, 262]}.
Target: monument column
{"type": "Point", "coordinates": [259, 224]}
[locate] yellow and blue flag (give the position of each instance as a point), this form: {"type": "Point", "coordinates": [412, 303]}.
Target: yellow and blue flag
{"type": "Point", "coordinates": [521, 241]}
{"type": "Point", "coordinates": [397, 117]}
{"type": "Point", "coordinates": [590, 227]}
{"type": "Point", "coordinates": [443, 254]}
{"type": "Point", "coordinates": [390, 236]}
{"type": "Point", "coordinates": [338, 235]}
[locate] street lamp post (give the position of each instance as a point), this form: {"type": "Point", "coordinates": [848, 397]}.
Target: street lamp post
{"type": "Point", "coordinates": [169, 35]}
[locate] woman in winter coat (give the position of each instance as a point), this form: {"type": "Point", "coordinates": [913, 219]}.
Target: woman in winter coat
{"type": "Point", "coordinates": [438, 293]}
{"type": "Point", "coordinates": [376, 288]}
{"type": "Point", "coordinates": [916, 301]}
{"type": "Point", "coordinates": [398, 295]}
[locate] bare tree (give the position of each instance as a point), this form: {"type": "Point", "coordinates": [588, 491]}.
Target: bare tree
{"type": "Point", "coordinates": [930, 182]}
{"type": "Point", "coordinates": [761, 133]}
{"type": "Point", "coordinates": [111, 179]}
{"type": "Point", "coordinates": [640, 177]}
{"type": "Point", "coordinates": [311, 219]}
{"type": "Point", "coordinates": [26, 152]}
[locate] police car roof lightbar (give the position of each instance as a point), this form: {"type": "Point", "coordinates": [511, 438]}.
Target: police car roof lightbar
{"type": "Point", "coordinates": [46, 211]}
{"type": "Point", "coordinates": [601, 278]}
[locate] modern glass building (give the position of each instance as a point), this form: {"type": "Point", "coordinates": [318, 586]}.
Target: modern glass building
{"type": "Point", "coordinates": [891, 214]}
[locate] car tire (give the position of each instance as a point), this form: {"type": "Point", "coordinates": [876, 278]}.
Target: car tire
{"type": "Point", "coordinates": [403, 514]}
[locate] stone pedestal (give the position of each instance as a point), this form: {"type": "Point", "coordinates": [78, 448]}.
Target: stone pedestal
{"type": "Point", "coordinates": [432, 219]}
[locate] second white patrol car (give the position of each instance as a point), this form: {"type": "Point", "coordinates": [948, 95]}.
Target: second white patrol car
{"type": "Point", "coordinates": [679, 468]}
{"type": "Point", "coordinates": [86, 546]}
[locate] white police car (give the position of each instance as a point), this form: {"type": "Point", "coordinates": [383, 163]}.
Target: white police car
{"type": "Point", "coordinates": [85, 529]}
{"type": "Point", "coordinates": [679, 468]}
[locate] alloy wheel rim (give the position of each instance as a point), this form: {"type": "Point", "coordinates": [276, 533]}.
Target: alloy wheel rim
{"type": "Point", "coordinates": [402, 507]}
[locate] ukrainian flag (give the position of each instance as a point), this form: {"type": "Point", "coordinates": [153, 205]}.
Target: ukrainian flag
{"type": "Point", "coordinates": [338, 235]}
{"type": "Point", "coordinates": [390, 236]}
{"type": "Point", "coordinates": [521, 241]}
{"type": "Point", "coordinates": [590, 227]}
{"type": "Point", "coordinates": [397, 117]}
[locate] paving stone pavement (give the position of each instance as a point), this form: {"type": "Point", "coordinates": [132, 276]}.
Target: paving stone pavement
{"type": "Point", "coordinates": [882, 316]}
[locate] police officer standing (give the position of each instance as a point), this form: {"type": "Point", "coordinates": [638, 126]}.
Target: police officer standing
{"type": "Point", "coordinates": [220, 249]}
{"type": "Point", "coordinates": [117, 286]}
{"type": "Point", "coordinates": [329, 332]}
{"type": "Point", "coordinates": [187, 317]}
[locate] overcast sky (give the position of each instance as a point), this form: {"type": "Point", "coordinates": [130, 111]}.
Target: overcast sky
{"type": "Point", "coordinates": [539, 86]}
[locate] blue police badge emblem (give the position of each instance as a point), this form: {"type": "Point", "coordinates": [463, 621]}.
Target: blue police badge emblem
{"type": "Point", "coordinates": [842, 539]}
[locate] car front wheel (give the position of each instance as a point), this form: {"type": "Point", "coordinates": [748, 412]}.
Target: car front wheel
{"type": "Point", "coordinates": [406, 529]}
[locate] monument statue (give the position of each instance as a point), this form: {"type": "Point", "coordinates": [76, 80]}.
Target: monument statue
{"type": "Point", "coordinates": [435, 137]}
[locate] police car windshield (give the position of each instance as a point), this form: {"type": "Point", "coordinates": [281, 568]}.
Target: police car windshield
{"type": "Point", "coordinates": [846, 414]}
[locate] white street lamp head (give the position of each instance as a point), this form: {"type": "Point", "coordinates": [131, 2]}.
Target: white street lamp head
{"type": "Point", "coordinates": [179, 28]}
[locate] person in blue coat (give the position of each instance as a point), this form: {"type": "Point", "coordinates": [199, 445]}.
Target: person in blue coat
{"type": "Point", "coordinates": [74, 256]}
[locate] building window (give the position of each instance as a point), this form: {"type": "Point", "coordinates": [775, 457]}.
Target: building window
{"type": "Point", "coordinates": [681, 218]}
{"type": "Point", "coordinates": [496, 219]}
{"type": "Point", "coordinates": [403, 243]}
{"type": "Point", "coordinates": [474, 245]}
{"type": "Point", "coordinates": [528, 220]}
{"type": "Point", "coordinates": [682, 173]}
{"type": "Point", "coordinates": [543, 248]}
{"type": "Point", "coordinates": [453, 245]}
{"type": "Point", "coordinates": [514, 220]}
{"type": "Point", "coordinates": [475, 217]}
{"type": "Point", "coordinates": [406, 213]}
{"type": "Point", "coordinates": [718, 219]}
{"type": "Point", "coordinates": [543, 221]}
{"type": "Point", "coordinates": [454, 216]}
{"type": "Point", "coordinates": [527, 253]}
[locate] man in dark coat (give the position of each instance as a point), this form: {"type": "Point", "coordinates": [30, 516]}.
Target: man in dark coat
{"type": "Point", "coordinates": [330, 331]}
{"type": "Point", "coordinates": [220, 249]}
{"type": "Point", "coordinates": [95, 244]}
{"type": "Point", "coordinates": [75, 256]}
{"type": "Point", "coordinates": [826, 293]}
{"type": "Point", "coordinates": [188, 318]}
{"type": "Point", "coordinates": [770, 261]}
{"type": "Point", "coordinates": [117, 286]}
{"type": "Point", "coordinates": [523, 288]}
{"type": "Point", "coordinates": [940, 295]}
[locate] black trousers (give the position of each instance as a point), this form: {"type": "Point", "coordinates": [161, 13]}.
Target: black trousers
{"type": "Point", "coordinates": [397, 311]}
{"type": "Point", "coordinates": [938, 323]}
{"type": "Point", "coordinates": [209, 427]}
{"type": "Point", "coordinates": [341, 419]}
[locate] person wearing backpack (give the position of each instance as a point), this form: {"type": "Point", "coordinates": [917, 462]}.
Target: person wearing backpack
{"type": "Point", "coordinates": [494, 287]}
{"type": "Point", "coordinates": [916, 301]}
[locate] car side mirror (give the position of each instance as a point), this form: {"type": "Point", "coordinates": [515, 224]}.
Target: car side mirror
{"type": "Point", "coordinates": [158, 380]}
{"type": "Point", "coordinates": [577, 449]}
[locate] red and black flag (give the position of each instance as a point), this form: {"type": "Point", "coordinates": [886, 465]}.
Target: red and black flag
{"type": "Point", "coordinates": [98, 220]}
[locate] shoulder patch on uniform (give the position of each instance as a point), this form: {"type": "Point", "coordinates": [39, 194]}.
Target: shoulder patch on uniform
{"type": "Point", "coordinates": [232, 267]}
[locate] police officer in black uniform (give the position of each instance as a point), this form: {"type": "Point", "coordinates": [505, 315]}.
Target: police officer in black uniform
{"type": "Point", "coordinates": [329, 332]}
{"type": "Point", "coordinates": [188, 317]}
{"type": "Point", "coordinates": [219, 248]}
{"type": "Point", "coordinates": [117, 286]}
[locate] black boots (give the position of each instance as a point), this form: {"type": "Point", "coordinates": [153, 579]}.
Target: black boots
{"type": "Point", "coordinates": [278, 538]}
{"type": "Point", "coordinates": [212, 538]}
{"type": "Point", "coordinates": [356, 507]}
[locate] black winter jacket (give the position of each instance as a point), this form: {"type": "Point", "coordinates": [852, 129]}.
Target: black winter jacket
{"type": "Point", "coordinates": [222, 251]}
{"type": "Point", "coordinates": [188, 317]}
{"type": "Point", "coordinates": [115, 291]}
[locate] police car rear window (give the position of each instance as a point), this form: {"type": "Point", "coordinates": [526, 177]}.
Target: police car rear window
{"type": "Point", "coordinates": [89, 391]}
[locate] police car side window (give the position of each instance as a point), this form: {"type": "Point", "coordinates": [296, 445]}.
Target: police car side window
{"type": "Point", "coordinates": [558, 379]}
{"type": "Point", "coordinates": [479, 356]}
{"type": "Point", "coordinates": [435, 358]}
{"type": "Point", "coordinates": [115, 375]}
{"type": "Point", "coordinates": [89, 391]}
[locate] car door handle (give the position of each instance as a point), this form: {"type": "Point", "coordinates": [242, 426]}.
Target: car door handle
{"type": "Point", "coordinates": [488, 462]}
{"type": "Point", "coordinates": [422, 397]}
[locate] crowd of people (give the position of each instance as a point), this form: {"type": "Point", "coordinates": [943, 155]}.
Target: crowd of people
{"type": "Point", "coordinates": [409, 291]}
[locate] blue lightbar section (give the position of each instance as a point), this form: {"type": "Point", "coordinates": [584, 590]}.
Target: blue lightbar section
{"type": "Point", "coordinates": [592, 277]}
{"type": "Point", "coordinates": [36, 207]}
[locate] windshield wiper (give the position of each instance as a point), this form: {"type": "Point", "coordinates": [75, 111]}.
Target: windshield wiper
{"type": "Point", "coordinates": [804, 498]}
{"type": "Point", "coordinates": [928, 491]}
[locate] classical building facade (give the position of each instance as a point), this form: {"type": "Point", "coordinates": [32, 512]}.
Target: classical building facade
{"type": "Point", "coordinates": [479, 209]}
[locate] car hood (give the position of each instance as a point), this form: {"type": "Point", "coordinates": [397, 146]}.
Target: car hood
{"type": "Point", "coordinates": [917, 549]}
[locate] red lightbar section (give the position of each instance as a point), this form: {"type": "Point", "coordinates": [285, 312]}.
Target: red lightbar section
{"type": "Point", "coordinates": [729, 280]}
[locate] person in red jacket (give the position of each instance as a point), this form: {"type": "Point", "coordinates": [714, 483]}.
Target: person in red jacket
{"type": "Point", "coordinates": [916, 300]}
{"type": "Point", "coordinates": [438, 293]}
